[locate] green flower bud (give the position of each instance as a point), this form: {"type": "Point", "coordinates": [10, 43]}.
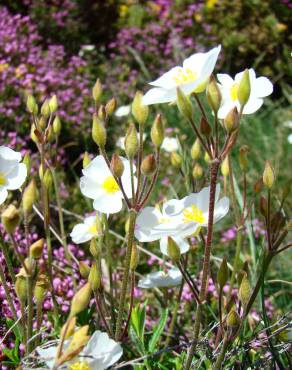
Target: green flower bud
{"type": "Point", "coordinates": [184, 104]}
{"type": "Point", "coordinates": [111, 106]}
{"type": "Point", "coordinates": [80, 300]}
{"type": "Point", "coordinates": [41, 288]}
{"type": "Point", "coordinates": [196, 150]}
{"type": "Point", "coordinates": [207, 158]}
{"type": "Point", "coordinates": [243, 162]}
{"type": "Point", "coordinates": [36, 249]}
{"type": "Point", "coordinates": [98, 132]}
{"type": "Point", "coordinates": [53, 104]}
{"type": "Point", "coordinates": [21, 289]}
{"type": "Point", "coordinates": [173, 250]}
{"type": "Point", "coordinates": [258, 186]}
{"type": "Point", "coordinates": [231, 121]}
{"type": "Point", "coordinates": [205, 128]}
{"type": "Point", "coordinates": [263, 206]}
{"type": "Point", "coordinates": [268, 175]}
{"type": "Point", "coordinates": [57, 125]}
{"type": "Point", "coordinates": [225, 167]}
{"type": "Point", "coordinates": [117, 166]}
{"type": "Point", "coordinates": [94, 249]}
{"type": "Point", "coordinates": [233, 319]}
{"type": "Point", "coordinates": [10, 218]}
{"type": "Point", "coordinates": [157, 132]}
{"type": "Point", "coordinates": [45, 109]}
{"type": "Point", "coordinates": [148, 165]}
{"type": "Point", "coordinates": [243, 92]}
{"type": "Point", "coordinates": [31, 105]}
{"type": "Point", "coordinates": [222, 275]}
{"type": "Point", "coordinates": [97, 91]}
{"type": "Point", "coordinates": [86, 160]}
{"type": "Point", "coordinates": [131, 142]}
{"type": "Point", "coordinates": [33, 135]}
{"type": "Point", "coordinates": [213, 95]}
{"type": "Point", "coordinates": [27, 162]}
{"type": "Point", "coordinates": [134, 257]}
{"type": "Point", "coordinates": [42, 122]}
{"type": "Point", "coordinates": [175, 159]}
{"type": "Point", "coordinates": [140, 111]}
{"type": "Point", "coordinates": [101, 114]}
{"type": "Point", "coordinates": [94, 277]}
{"type": "Point", "coordinates": [84, 269]}
{"type": "Point", "coordinates": [197, 171]}
{"type": "Point", "coordinates": [48, 179]}
{"type": "Point", "coordinates": [244, 290]}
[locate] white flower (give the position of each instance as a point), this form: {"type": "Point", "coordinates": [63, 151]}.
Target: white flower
{"type": "Point", "coordinates": [170, 144]}
{"type": "Point", "coordinates": [290, 139]}
{"type": "Point", "coordinates": [121, 141]}
{"type": "Point", "coordinates": [12, 173]}
{"type": "Point", "coordinates": [193, 211]}
{"type": "Point", "coordinates": [161, 279]}
{"type": "Point", "coordinates": [122, 111]}
{"type": "Point", "coordinates": [153, 224]}
{"type": "Point", "coordinates": [99, 185]}
{"type": "Point", "coordinates": [85, 231]}
{"type": "Point", "coordinates": [100, 353]}
{"type": "Point", "coordinates": [288, 124]}
{"type": "Point", "coordinates": [259, 88]}
{"type": "Point", "coordinates": [193, 76]}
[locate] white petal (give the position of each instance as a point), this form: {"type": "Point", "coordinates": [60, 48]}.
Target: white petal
{"type": "Point", "coordinates": [182, 243]}
{"type": "Point", "coordinates": [90, 188]}
{"type": "Point", "coordinates": [159, 95]}
{"type": "Point", "coordinates": [210, 61]}
{"type": "Point", "coordinates": [221, 209]}
{"type": "Point", "coordinates": [9, 154]}
{"type": "Point", "coordinates": [225, 80]}
{"type": "Point", "coordinates": [147, 219]}
{"type": "Point", "coordinates": [225, 108]}
{"type": "Point", "coordinates": [262, 87]}
{"type": "Point", "coordinates": [166, 81]}
{"type": "Point", "coordinates": [122, 111]}
{"type": "Point", "coordinates": [97, 169]}
{"type": "Point", "coordinates": [252, 105]}
{"type": "Point", "coordinates": [17, 177]}
{"type": "Point", "coordinates": [48, 355]}
{"type": "Point", "coordinates": [80, 234]}
{"type": "Point", "coordinates": [108, 203]}
{"type": "Point", "coordinates": [173, 207]}
{"type": "Point", "coordinates": [90, 220]}
{"type": "Point", "coordinates": [3, 194]}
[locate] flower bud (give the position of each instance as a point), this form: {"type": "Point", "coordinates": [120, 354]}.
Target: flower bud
{"type": "Point", "coordinates": [231, 121]}
{"type": "Point", "coordinates": [244, 290]}
{"type": "Point", "coordinates": [184, 104]}
{"type": "Point", "coordinates": [41, 288]}
{"type": "Point", "coordinates": [233, 319]}
{"type": "Point", "coordinates": [33, 135]}
{"type": "Point", "coordinates": [157, 132]}
{"type": "Point", "coordinates": [140, 111]}
{"type": "Point", "coordinates": [30, 265]}
{"type": "Point", "coordinates": [68, 328]}
{"type": "Point", "coordinates": [10, 218]}
{"type": "Point", "coordinates": [148, 165]}
{"type": "Point", "coordinates": [98, 132]}
{"type": "Point", "coordinates": [117, 166]}
{"type": "Point", "coordinates": [243, 162]}
{"type": "Point", "coordinates": [207, 158]}
{"type": "Point", "coordinates": [80, 300]}
{"type": "Point", "coordinates": [27, 162]}
{"type": "Point", "coordinates": [111, 106]}
{"type": "Point", "coordinates": [222, 275]}
{"type": "Point", "coordinates": [31, 105]}
{"type": "Point", "coordinates": [173, 250]}
{"type": "Point", "coordinates": [263, 206]}
{"type": "Point", "coordinates": [258, 186]}
{"type": "Point", "coordinates": [101, 114]}
{"type": "Point", "coordinates": [49, 134]}
{"type": "Point", "coordinates": [225, 167]}
{"type": "Point", "coordinates": [205, 128]}
{"type": "Point", "coordinates": [213, 95]}
{"type": "Point", "coordinates": [84, 269]}
{"type": "Point", "coordinates": [94, 277]}
{"type": "Point", "coordinates": [134, 257]}
{"type": "Point", "coordinates": [243, 92]}
{"type": "Point", "coordinates": [42, 122]}
{"type": "Point", "coordinates": [268, 175]}
{"type": "Point", "coordinates": [48, 180]}
{"type": "Point", "coordinates": [97, 91]}
{"type": "Point", "coordinates": [53, 104]}
{"type": "Point", "coordinates": [197, 171]}
{"type": "Point", "coordinates": [196, 150]}
{"type": "Point", "coordinates": [175, 159]}
{"type": "Point", "coordinates": [36, 249]}
{"type": "Point", "coordinates": [21, 289]}
{"type": "Point", "coordinates": [94, 249]}
{"type": "Point", "coordinates": [29, 197]}
{"type": "Point", "coordinates": [45, 109]}
{"type": "Point", "coordinates": [57, 126]}
{"type": "Point", "coordinates": [86, 160]}
{"type": "Point", "coordinates": [131, 142]}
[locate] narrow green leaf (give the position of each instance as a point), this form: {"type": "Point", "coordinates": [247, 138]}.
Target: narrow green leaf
{"type": "Point", "coordinates": [158, 331]}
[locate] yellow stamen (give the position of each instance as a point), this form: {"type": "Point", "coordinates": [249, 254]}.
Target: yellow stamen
{"type": "Point", "coordinates": [2, 179]}
{"type": "Point", "coordinates": [233, 92]}
{"type": "Point", "coordinates": [93, 229]}
{"type": "Point", "coordinates": [110, 185]}
{"type": "Point", "coordinates": [185, 75]}
{"type": "Point", "coordinates": [80, 365]}
{"type": "Point", "coordinates": [194, 214]}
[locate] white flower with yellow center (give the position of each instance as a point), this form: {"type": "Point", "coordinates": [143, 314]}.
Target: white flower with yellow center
{"type": "Point", "coordinates": [98, 184]}
{"type": "Point", "coordinates": [161, 279]}
{"type": "Point", "coordinates": [260, 87]}
{"type": "Point", "coordinates": [155, 224]}
{"type": "Point", "coordinates": [12, 173]}
{"type": "Point", "coordinates": [170, 144]}
{"type": "Point", "coordinates": [100, 353]}
{"type": "Point", "coordinates": [85, 231]}
{"type": "Point", "coordinates": [193, 210]}
{"type": "Point", "coordinates": [193, 76]}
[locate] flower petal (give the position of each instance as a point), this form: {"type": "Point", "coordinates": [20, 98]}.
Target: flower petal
{"type": "Point", "coordinates": [221, 209]}
{"type": "Point", "coordinates": [166, 81]}
{"type": "Point", "coordinates": [252, 105]}
{"type": "Point", "coordinates": [108, 203]}
{"type": "Point", "coordinates": [3, 194]}
{"type": "Point", "coordinates": [80, 234]}
{"type": "Point", "coordinates": [262, 87]}
{"type": "Point", "coordinates": [16, 177]}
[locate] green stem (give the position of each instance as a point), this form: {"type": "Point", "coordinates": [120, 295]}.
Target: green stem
{"type": "Point", "coordinates": [122, 300]}
{"type": "Point", "coordinates": [8, 261]}
{"type": "Point", "coordinates": [221, 356]}
{"type": "Point", "coordinates": [108, 252]}
{"type": "Point", "coordinates": [29, 332]}
{"type": "Point", "coordinates": [7, 293]}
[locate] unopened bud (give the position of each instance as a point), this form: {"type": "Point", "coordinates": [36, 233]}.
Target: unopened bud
{"type": "Point", "coordinates": [184, 104]}
{"type": "Point", "coordinates": [243, 162]}
{"type": "Point", "coordinates": [31, 105]}
{"type": "Point", "coordinates": [131, 142]}
{"type": "Point", "coordinates": [33, 135]}
{"type": "Point", "coordinates": [263, 206]}
{"type": "Point", "coordinates": [10, 218]}
{"type": "Point", "coordinates": [101, 114]}
{"type": "Point", "coordinates": [148, 165]}
{"type": "Point", "coordinates": [231, 121]}
{"type": "Point", "coordinates": [205, 128]}
{"type": "Point", "coordinates": [97, 91]}
{"type": "Point", "coordinates": [134, 257]}
{"type": "Point", "coordinates": [30, 266]}
{"type": "Point", "coordinates": [27, 161]}
{"type": "Point", "coordinates": [36, 249]}
{"type": "Point", "coordinates": [57, 125]}
{"type": "Point", "coordinates": [175, 159]}
{"type": "Point", "coordinates": [21, 289]}
{"type": "Point", "coordinates": [48, 179]}
{"type": "Point", "coordinates": [243, 92]}
{"type": "Point", "coordinates": [42, 123]}
{"type": "Point", "coordinates": [53, 104]}
{"type": "Point", "coordinates": [86, 160]}
{"type": "Point", "coordinates": [117, 166]}
{"type": "Point", "coordinates": [140, 111]}
{"type": "Point", "coordinates": [49, 134]}
{"type": "Point", "coordinates": [207, 158]}
{"type": "Point", "coordinates": [196, 150]}
{"type": "Point", "coordinates": [68, 328]}
{"type": "Point", "coordinates": [233, 319]}
{"type": "Point", "coordinates": [213, 95]}
{"type": "Point", "coordinates": [98, 132]}
{"type": "Point", "coordinates": [45, 109]}
{"type": "Point", "coordinates": [244, 290]}
{"type": "Point", "coordinates": [111, 106]}
{"type": "Point", "coordinates": [94, 277]}
{"type": "Point", "coordinates": [258, 186]}
{"type": "Point", "coordinates": [225, 167]}
{"type": "Point", "coordinates": [29, 197]}
{"type": "Point", "coordinates": [268, 175]}
{"type": "Point", "coordinates": [80, 300]}
{"type": "Point", "coordinates": [222, 275]}
{"type": "Point", "coordinates": [84, 269]}
{"type": "Point", "coordinates": [197, 171]}
{"type": "Point", "coordinates": [157, 132]}
{"type": "Point", "coordinates": [41, 288]}
{"type": "Point", "coordinates": [94, 249]}
{"type": "Point", "coordinates": [173, 250]}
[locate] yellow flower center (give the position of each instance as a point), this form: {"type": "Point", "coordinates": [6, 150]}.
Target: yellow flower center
{"type": "Point", "coordinates": [2, 179]}
{"type": "Point", "coordinates": [110, 185]}
{"type": "Point", "coordinates": [234, 91]}
{"type": "Point", "coordinates": [80, 365]}
{"type": "Point", "coordinates": [93, 229]}
{"type": "Point", "coordinates": [185, 75]}
{"type": "Point", "coordinates": [194, 214]}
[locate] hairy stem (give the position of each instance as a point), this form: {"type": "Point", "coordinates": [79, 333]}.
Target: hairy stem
{"type": "Point", "coordinates": [220, 358]}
